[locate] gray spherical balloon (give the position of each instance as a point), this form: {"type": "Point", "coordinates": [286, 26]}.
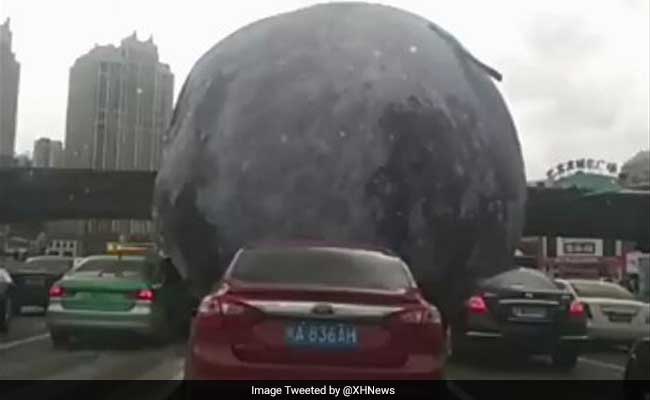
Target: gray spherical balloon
{"type": "Point", "coordinates": [347, 122]}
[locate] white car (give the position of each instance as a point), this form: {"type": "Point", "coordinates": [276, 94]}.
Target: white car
{"type": "Point", "coordinates": [614, 315]}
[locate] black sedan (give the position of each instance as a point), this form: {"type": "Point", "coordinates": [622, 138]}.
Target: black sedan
{"type": "Point", "coordinates": [34, 278]}
{"type": "Point", "coordinates": [6, 308]}
{"type": "Point", "coordinates": [519, 312]}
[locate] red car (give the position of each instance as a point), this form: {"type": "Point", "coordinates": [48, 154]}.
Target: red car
{"type": "Point", "coordinates": [317, 311]}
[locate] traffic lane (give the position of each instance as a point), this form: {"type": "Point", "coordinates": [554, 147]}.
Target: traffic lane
{"type": "Point", "coordinates": [30, 355]}
{"type": "Point", "coordinates": [112, 359]}
{"type": "Point", "coordinates": [126, 362]}
{"type": "Point", "coordinates": [39, 360]}
{"type": "Point", "coordinates": [23, 328]}
{"type": "Point", "coordinates": [589, 367]}
{"type": "Point", "coordinates": [613, 359]}
{"type": "Point", "coordinates": [597, 366]}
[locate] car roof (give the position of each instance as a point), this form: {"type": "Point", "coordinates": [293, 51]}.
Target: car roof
{"type": "Point", "coordinates": [590, 281]}
{"type": "Point", "coordinates": [325, 244]}
{"type": "Point", "coordinates": [112, 257]}
{"type": "Point", "coordinates": [498, 278]}
{"type": "Point", "coordinates": [48, 258]}
{"type": "Point", "coordinates": [519, 269]}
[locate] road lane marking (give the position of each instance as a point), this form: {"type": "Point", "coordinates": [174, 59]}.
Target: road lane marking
{"type": "Point", "coordinates": [458, 392]}
{"type": "Point", "coordinates": [15, 343]}
{"type": "Point", "coordinates": [179, 376]}
{"type": "Point", "coordinates": [602, 364]}
{"type": "Point", "coordinates": [171, 370]}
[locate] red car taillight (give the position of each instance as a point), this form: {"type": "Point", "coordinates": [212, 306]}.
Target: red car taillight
{"type": "Point", "coordinates": [217, 305]}
{"type": "Point", "coordinates": [209, 306]}
{"type": "Point", "coordinates": [577, 309]}
{"type": "Point", "coordinates": [229, 308]}
{"type": "Point", "coordinates": [56, 292]}
{"type": "Point", "coordinates": [423, 315]}
{"type": "Point", "coordinates": [477, 305]}
{"type": "Point", "coordinates": [145, 295]}
{"type": "Point", "coordinates": [418, 328]}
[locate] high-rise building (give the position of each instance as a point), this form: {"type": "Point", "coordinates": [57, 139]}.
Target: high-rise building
{"type": "Point", "coordinates": [41, 153]}
{"type": "Point", "coordinates": [57, 155]}
{"type": "Point", "coordinates": [48, 153]}
{"type": "Point", "coordinates": [119, 104]}
{"type": "Point", "coordinates": [9, 77]}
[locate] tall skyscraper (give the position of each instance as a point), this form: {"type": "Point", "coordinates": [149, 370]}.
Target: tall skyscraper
{"type": "Point", "coordinates": [9, 78]}
{"type": "Point", "coordinates": [119, 104]}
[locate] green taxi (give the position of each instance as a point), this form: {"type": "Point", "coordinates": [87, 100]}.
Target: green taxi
{"type": "Point", "coordinates": [136, 294]}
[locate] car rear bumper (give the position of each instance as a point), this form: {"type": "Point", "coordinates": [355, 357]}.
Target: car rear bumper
{"type": "Point", "coordinates": [617, 334]}
{"type": "Point", "coordinates": [219, 363]}
{"type": "Point", "coordinates": [524, 342]}
{"type": "Point", "coordinates": [32, 289]}
{"type": "Point", "coordinates": [140, 320]}
{"type": "Point", "coordinates": [30, 296]}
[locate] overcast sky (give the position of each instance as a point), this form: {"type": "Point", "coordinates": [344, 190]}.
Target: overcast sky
{"type": "Point", "coordinates": [576, 73]}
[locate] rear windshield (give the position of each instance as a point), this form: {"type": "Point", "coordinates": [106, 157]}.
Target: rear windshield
{"type": "Point", "coordinates": [521, 278]}
{"type": "Point", "coordinates": [112, 267]}
{"type": "Point", "coordinates": [322, 267]}
{"type": "Point", "coordinates": [601, 289]}
{"type": "Point", "coordinates": [52, 265]}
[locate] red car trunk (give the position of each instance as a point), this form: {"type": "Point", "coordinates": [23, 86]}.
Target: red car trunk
{"type": "Point", "coordinates": [319, 326]}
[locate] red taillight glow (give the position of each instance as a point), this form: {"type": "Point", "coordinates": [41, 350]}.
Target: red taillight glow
{"type": "Point", "coordinates": [209, 306]}
{"type": "Point", "coordinates": [56, 291]}
{"type": "Point", "coordinates": [217, 305]}
{"type": "Point", "coordinates": [426, 315]}
{"type": "Point", "coordinates": [145, 295]}
{"type": "Point", "coordinates": [577, 309]}
{"type": "Point", "coordinates": [229, 308]}
{"type": "Point", "coordinates": [476, 305]}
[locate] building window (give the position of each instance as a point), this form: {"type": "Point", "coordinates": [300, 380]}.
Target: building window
{"type": "Point", "coordinates": [609, 247]}
{"type": "Point", "coordinates": [552, 247]}
{"type": "Point", "coordinates": [103, 88]}
{"type": "Point", "coordinates": [579, 248]}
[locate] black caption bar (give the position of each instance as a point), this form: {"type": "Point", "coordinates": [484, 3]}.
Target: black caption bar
{"type": "Point", "coordinates": [274, 390]}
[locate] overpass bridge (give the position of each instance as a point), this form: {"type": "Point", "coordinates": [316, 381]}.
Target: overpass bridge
{"type": "Point", "coordinates": [33, 194]}
{"type": "Point", "coordinates": [38, 194]}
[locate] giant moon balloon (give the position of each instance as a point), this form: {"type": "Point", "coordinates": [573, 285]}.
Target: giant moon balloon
{"type": "Point", "coordinates": [345, 122]}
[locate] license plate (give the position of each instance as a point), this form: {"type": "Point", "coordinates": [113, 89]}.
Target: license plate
{"type": "Point", "coordinates": [83, 296]}
{"type": "Point", "coordinates": [35, 281]}
{"type": "Point", "coordinates": [322, 334]}
{"type": "Point", "coordinates": [98, 296]}
{"type": "Point", "coordinates": [529, 312]}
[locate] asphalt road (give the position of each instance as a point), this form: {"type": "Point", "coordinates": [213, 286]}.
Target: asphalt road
{"type": "Point", "coordinates": [26, 353]}
{"type": "Point", "coordinates": [605, 365]}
